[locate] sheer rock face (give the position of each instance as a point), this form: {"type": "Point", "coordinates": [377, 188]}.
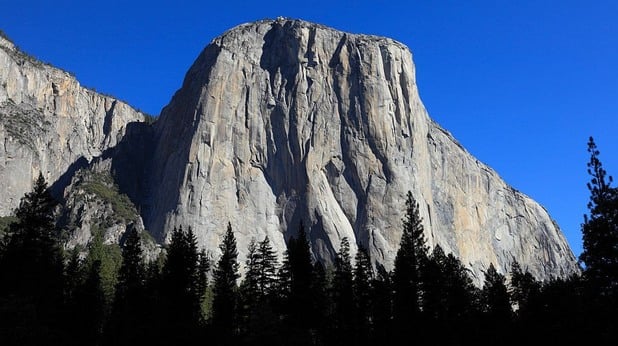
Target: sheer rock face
{"type": "Point", "coordinates": [277, 123]}
{"type": "Point", "coordinates": [282, 121]}
{"type": "Point", "coordinates": [50, 124]}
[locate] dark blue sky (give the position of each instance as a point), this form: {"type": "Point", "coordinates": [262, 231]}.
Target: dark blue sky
{"type": "Point", "coordinates": [521, 84]}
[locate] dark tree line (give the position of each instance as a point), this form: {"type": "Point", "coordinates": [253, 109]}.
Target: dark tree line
{"type": "Point", "coordinates": [51, 297]}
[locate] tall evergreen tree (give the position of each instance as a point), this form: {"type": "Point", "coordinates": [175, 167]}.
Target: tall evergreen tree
{"type": "Point", "coordinates": [363, 279]}
{"type": "Point", "coordinates": [524, 290]}
{"type": "Point", "coordinates": [525, 293]}
{"type": "Point", "coordinates": [301, 272]}
{"type": "Point", "coordinates": [320, 314]}
{"type": "Point", "coordinates": [343, 294]}
{"type": "Point", "coordinates": [409, 265]}
{"type": "Point", "coordinates": [31, 263]}
{"type": "Point", "coordinates": [130, 313]}
{"type": "Point", "coordinates": [496, 306]}
{"type": "Point", "coordinates": [225, 289]}
{"type": "Point", "coordinates": [496, 299]}
{"type": "Point", "coordinates": [382, 307]}
{"type": "Point", "coordinates": [261, 269]}
{"type": "Point", "coordinates": [600, 229]}
{"type": "Point", "coordinates": [180, 287]}
{"type": "Point", "coordinates": [31, 271]}
{"type": "Point", "coordinates": [296, 279]}
{"type": "Point", "coordinates": [257, 290]}
{"type": "Point", "coordinates": [448, 302]}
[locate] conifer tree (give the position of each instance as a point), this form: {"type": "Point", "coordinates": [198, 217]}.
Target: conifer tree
{"type": "Point", "coordinates": [130, 315]}
{"type": "Point", "coordinates": [362, 284]}
{"type": "Point", "coordinates": [435, 299]}
{"type": "Point", "coordinates": [267, 267]}
{"type": "Point", "coordinates": [496, 306]}
{"type": "Point", "coordinates": [31, 270]}
{"type": "Point", "coordinates": [301, 272]}
{"type": "Point", "coordinates": [295, 288]}
{"type": "Point", "coordinates": [321, 312]}
{"type": "Point", "coordinates": [600, 229]}
{"type": "Point", "coordinates": [382, 307]}
{"type": "Point", "coordinates": [525, 293]}
{"type": "Point", "coordinates": [461, 292]}
{"type": "Point", "coordinates": [31, 263]}
{"type": "Point", "coordinates": [225, 287]}
{"type": "Point", "coordinates": [524, 290]}
{"type": "Point", "coordinates": [180, 287]}
{"type": "Point", "coordinates": [257, 291]}
{"type": "Point", "coordinates": [409, 265]}
{"type": "Point", "coordinates": [496, 300]}
{"type": "Point", "coordinates": [343, 297]}
{"type": "Point", "coordinates": [132, 273]}
{"type": "Point", "coordinates": [448, 302]}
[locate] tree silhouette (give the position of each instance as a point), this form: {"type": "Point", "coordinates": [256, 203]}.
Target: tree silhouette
{"type": "Point", "coordinates": [343, 294]}
{"type": "Point", "coordinates": [525, 293]}
{"type": "Point", "coordinates": [600, 250]}
{"type": "Point", "coordinates": [31, 263]}
{"type": "Point", "coordinates": [600, 229]}
{"type": "Point", "coordinates": [496, 305]}
{"type": "Point", "coordinates": [382, 307]}
{"type": "Point", "coordinates": [295, 290]}
{"type": "Point", "coordinates": [180, 287]}
{"type": "Point", "coordinates": [130, 315]}
{"type": "Point", "coordinates": [31, 271]}
{"type": "Point", "coordinates": [225, 289]}
{"type": "Point", "coordinates": [257, 291]}
{"type": "Point", "coordinates": [363, 279]}
{"type": "Point", "coordinates": [410, 261]}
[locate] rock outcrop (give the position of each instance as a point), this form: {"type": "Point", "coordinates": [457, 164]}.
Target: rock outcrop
{"type": "Point", "coordinates": [284, 121]}
{"type": "Point", "coordinates": [278, 122]}
{"type": "Point", "coordinates": [50, 124]}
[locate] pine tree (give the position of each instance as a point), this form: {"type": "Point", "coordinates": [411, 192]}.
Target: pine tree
{"type": "Point", "coordinates": [129, 316]}
{"type": "Point", "coordinates": [31, 263]}
{"type": "Point", "coordinates": [301, 272]}
{"type": "Point", "coordinates": [363, 279]}
{"type": "Point", "coordinates": [524, 289]}
{"type": "Point", "coordinates": [225, 288]}
{"type": "Point", "coordinates": [435, 299]}
{"type": "Point", "coordinates": [448, 296]}
{"type": "Point", "coordinates": [295, 296]}
{"type": "Point", "coordinates": [600, 229]}
{"type": "Point", "coordinates": [31, 270]}
{"type": "Point", "coordinates": [267, 268]}
{"type": "Point", "coordinates": [132, 273]}
{"type": "Point", "coordinates": [525, 293]}
{"type": "Point", "coordinates": [320, 314]}
{"type": "Point", "coordinates": [382, 307]}
{"type": "Point", "coordinates": [409, 266]}
{"type": "Point", "coordinates": [180, 287]}
{"type": "Point", "coordinates": [257, 291]}
{"type": "Point", "coordinates": [496, 306]}
{"type": "Point", "coordinates": [343, 294]}
{"type": "Point", "coordinates": [496, 298]}
{"type": "Point", "coordinates": [461, 292]}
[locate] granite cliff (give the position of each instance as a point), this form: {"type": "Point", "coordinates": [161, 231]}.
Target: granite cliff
{"type": "Point", "coordinates": [49, 123]}
{"type": "Point", "coordinates": [280, 122]}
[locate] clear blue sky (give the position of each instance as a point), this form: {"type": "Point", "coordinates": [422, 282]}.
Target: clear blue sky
{"type": "Point", "coordinates": [521, 84]}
